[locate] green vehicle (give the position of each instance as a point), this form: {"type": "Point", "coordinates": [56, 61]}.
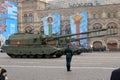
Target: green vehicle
{"type": "Point", "coordinates": [28, 45]}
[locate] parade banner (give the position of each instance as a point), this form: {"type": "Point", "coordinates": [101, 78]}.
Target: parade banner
{"type": "Point", "coordinates": [8, 20]}
{"type": "Point", "coordinates": [79, 24]}
{"type": "Point", "coordinates": [51, 24]}
{"type": "Point", "coordinates": [12, 10]}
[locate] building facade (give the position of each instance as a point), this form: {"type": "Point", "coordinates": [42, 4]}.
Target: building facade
{"type": "Point", "coordinates": [31, 13]}
{"type": "Point", "coordinates": [79, 3]}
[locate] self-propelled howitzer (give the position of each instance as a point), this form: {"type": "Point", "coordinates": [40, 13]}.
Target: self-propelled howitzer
{"type": "Point", "coordinates": [28, 45]}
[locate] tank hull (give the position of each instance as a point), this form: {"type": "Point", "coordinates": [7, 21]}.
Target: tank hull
{"type": "Point", "coordinates": [32, 51]}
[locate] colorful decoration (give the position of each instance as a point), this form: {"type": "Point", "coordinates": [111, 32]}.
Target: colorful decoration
{"type": "Point", "coordinates": [77, 20]}
{"type": "Point", "coordinates": [8, 20]}
{"type": "Point", "coordinates": [78, 23]}
{"type": "Point", "coordinates": [50, 22]}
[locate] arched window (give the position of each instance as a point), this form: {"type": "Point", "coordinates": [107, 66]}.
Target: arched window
{"type": "Point", "coordinates": [97, 44]}
{"type": "Point", "coordinates": [112, 28]}
{"type": "Point", "coordinates": [30, 17]}
{"type": "Point", "coordinates": [25, 17]}
{"type": "Point", "coordinates": [97, 26]}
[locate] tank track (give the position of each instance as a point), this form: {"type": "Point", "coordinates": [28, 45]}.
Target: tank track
{"type": "Point", "coordinates": [32, 52]}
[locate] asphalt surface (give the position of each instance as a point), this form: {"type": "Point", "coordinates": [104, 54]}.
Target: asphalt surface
{"type": "Point", "coordinates": [87, 66]}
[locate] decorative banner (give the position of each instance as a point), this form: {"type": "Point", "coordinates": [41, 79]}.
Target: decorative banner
{"type": "Point", "coordinates": [79, 24]}
{"type": "Point", "coordinates": [51, 24]}
{"type": "Point", "coordinates": [8, 20]}
{"type": "Point", "coordinates": [12, 9]}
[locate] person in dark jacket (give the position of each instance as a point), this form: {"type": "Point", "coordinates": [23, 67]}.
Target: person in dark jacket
{"type": "Point", "coordinates": [115, 74]}
{"type": "Point", "coordinates": [69, 54]}
{"type": "Point", "coordinates": [3, 75]}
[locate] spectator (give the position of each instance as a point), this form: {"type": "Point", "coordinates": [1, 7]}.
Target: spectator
{"type": "Point", "coordinates": [3, 75]}
{"type": "Point", "coordinates": [115, 74]}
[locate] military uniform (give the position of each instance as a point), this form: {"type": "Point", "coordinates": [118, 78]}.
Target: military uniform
{"type": "Point", "coordinates": [3, 75]}
{"type": "Point", "coordinates": [69, 54]}
{"type": "Point", "coordinates": [115, 74]}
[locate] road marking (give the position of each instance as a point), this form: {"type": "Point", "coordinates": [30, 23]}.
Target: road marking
{"type": "Point", "coordinates": [106, 57]}
{"type": "Point", "coordinates": [52, 67]}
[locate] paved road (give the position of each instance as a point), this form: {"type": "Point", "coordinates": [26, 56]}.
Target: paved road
{"type": "Point", "coordinates": [87, 66]}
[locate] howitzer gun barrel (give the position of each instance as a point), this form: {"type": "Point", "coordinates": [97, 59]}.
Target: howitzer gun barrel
{"type": "Point", "coordinates": [81, 33]}
{"type": "Point", "coordinates": [69, 35]}
{"type": "Point", "coordinates": [73, 39]}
